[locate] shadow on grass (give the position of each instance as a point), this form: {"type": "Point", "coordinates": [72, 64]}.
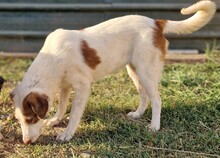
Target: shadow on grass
{"type": "Point", "coordinates": [195, 125]}
{"type": "Point", "coordinates": [10, 140]}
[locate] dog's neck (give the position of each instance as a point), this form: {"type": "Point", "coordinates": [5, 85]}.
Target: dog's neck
{"type": "Point", "coordinates": [38, 78]}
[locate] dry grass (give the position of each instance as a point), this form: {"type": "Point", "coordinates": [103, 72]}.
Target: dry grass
{"type": "Point", "coordinates": [190, 117]}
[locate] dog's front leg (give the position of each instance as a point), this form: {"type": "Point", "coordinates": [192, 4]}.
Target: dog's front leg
{"type": "Point", "coordinates": [79, 103]}
{"type": "Point", "coordinates": [64, 97]}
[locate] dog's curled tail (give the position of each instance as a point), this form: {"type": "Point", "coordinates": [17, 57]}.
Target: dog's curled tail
{"type": "Point", "coordinates": [204, 10]}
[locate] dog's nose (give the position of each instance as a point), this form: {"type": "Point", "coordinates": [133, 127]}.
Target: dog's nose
{"type": "Point", "coordinates": [27, 142]}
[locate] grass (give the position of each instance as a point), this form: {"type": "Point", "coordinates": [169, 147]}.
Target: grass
{"type": "Point", "coordinates": [190, 123]}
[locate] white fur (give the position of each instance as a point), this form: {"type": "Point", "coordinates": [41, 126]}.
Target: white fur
{"type": "Point", "coordinates": [119, 42]}
{"type": "Point", "coordinates": [204, 10]}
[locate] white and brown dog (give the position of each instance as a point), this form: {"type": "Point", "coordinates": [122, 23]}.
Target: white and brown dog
{"type": "Point", "coordinates": [72, 59]}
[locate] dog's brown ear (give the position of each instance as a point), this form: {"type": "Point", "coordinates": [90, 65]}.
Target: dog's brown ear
{"type": "Point", "coordinates": [37, 104]}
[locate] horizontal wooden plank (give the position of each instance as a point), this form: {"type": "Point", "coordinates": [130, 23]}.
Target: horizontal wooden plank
{"type": "Point", "coordinates": [160, 14]}
{"type": "Point", "coordinates": [80, 1]}
{"type": "Point", "coordinates": [31, 34]}
{"type": "Point", "coordinates": [21, 44]}
{"type": "Point", "coordinates": [183, 51]}
{"type": "Point", "coordinates": [91, 6]}
{"type": "Point", "coordinates": [43, 34]}
{"type": "Point", "coordinates": [199, 44]}
{"type": "Point", "coordinates": [34, 44]}
{"type": "Point", "coordinates": [185, 58]}
{"type": "Point", "coordinates": [17, 55]}
{"type": "Point", "coordinates": [52, 1]}
{"type": "Point", "coordinates": [170, 57]}
{"type": "Point", "coordinates": [49, 21]}
{"type": "Point", "coordinates": [197, 35]}
{"type": "Point", "coordinates": [100, 1]}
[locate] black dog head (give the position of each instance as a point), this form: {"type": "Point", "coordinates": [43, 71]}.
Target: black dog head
{"type": "Point", "coordinates": [1, 82]}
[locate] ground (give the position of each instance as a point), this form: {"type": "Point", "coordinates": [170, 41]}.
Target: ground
{"type": "Point", "coordinates": [190, 123]}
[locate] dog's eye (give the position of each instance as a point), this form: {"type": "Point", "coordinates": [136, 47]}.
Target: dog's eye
{"type": "Point", "coordinates": [31, 120]}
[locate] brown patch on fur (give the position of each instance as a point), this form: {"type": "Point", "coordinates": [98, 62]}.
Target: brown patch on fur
{"type": "Point", "coordinates": [161, 23]}
{"type": "Point", "coordinates": [90, 55]}
{"type": "Point", "coordinates": [159, 39]}
{"type": "Point", "coordinates": [35, 106]}
{"type": "Point", "coordinates": [132, 67]}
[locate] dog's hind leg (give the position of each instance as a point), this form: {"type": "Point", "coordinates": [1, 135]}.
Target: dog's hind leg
{"type": "Point", "coordinates": [141, 90]}
{"type": "Point", "coordinates": [150, 77]}
{"type": "Point", "coordinates": [64, 98]}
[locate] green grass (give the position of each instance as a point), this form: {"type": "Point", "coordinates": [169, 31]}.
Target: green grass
{"type": "Point", "coordinates": [190, 123]}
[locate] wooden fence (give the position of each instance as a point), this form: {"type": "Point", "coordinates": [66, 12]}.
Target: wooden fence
{"type": "Point", "coordinates": [24, 24]}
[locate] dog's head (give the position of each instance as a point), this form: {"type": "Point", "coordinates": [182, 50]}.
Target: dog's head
{"type": "Point", "coordinates": [30, 110]}
{"type": "Point", "coordinates": [1, 82]}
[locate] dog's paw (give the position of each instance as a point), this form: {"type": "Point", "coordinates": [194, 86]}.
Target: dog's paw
{"type": "Point", "coordinates": [153, 128]}
{"type": "Point", "coordinates": [51, 122]}
{"type": "Point", "coordinates": [64, 136]}
{"type": "Point", "coordinates": [134, 115]}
